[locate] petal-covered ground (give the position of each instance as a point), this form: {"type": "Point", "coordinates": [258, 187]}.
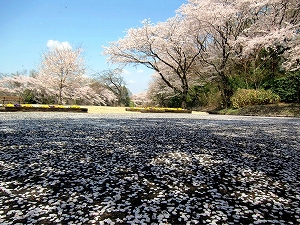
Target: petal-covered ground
{"type": "Point", "coordinates": [148, 169]}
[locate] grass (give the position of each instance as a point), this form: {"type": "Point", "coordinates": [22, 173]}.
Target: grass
{"type": "Point", "coordinates": [106, 109]}
{"type": "Point", "coordinates": [286, 110]}
{"type": "Point", "coordinates": [116, 110]}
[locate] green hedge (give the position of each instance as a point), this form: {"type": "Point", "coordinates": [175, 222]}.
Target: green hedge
{"type": "Point", "coordinates": [245, 97]}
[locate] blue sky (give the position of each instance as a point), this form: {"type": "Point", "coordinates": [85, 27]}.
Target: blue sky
{"type": "Point", "coordinates": [27, 25]}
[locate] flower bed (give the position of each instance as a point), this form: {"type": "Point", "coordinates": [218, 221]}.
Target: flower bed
{"type": "Point", "coordinates": [158, 110]}
{"type": "Point", "coordinates": [42, 108]}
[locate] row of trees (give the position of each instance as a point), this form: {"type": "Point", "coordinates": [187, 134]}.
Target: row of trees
{"type": "Point", "coordinates": [205, 53]}
{"type": "Point", "coordinates": [60, 79]}
{"type": "Point", "coordinates": [216, 46]}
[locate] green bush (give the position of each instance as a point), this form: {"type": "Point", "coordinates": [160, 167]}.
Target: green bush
{"type": "Point", "coordinates": [245, 97]}
{"type": "Point", "coordinates": [288, 88]}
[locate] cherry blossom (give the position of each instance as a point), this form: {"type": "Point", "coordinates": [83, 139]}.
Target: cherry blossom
{"type": "Point", "coordinates": [15, 85]}
{"type": "Point", "coordinates": [166, 48]}
{"type": "Point", "coordinates": [238, 28]}
{"type": "Point", "coordinates": [61, 70]}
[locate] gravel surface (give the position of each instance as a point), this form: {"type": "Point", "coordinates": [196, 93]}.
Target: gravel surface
{"type": "Point", "coordinates": [63, 168]}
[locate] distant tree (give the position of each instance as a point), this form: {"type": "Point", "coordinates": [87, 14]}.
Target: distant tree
{"type": "Point", "coordinates": [140, 99]}
{"type": "Point", "coordinates": [61, 72]}
{"type": "Point", "coordinates": [33, 89]}
{"type": "Point", "coordinates": [20, 83]}
{"type": "Point", "coordinates": [114, 82]}
{"type": "Point", "coordinates": [108, 96]}
{"type": "Point", "coordinates": [161, 95]}
{"type": "Point", "coordinates": [15, 83]}
{"type": "Point", "coordinates": [86, 95]}
{"type": "Point", "coordinates": [159, 92]}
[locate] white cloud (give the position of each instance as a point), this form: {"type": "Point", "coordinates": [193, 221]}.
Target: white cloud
{"type": "Point", "coordinates": [140, 71]}
{"type": "Point", "coordinates": [51, 44]}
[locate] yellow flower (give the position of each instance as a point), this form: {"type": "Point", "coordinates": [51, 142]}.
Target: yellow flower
{"type": "Point", "coordinates": [75, 107]}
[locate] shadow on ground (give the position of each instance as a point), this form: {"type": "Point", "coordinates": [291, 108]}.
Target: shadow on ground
{"type": "Point", "coordinates": [149, 170]}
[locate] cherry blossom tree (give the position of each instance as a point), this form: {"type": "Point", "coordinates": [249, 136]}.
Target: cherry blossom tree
{"type": "Point", "coordinates": [60, 79]}
{"type": "Point", "coordinates": [31, 89]}
{"type": "Point", "coordinates": [61, 72]}
{"type": "Point", "coordinates": [109, 98]}
{"type": "Point", "coordinates": [141, 99]}
{"type": "Point", "coordinates": [217, 20]}
{"type": "Point", "coordinates": [114, 83]}
{"type": "Point", "coordinates": [276, 22]}
{"type": "Point", "coordinates": [238, 28]}
{"type": "Point", "coordinates": [167, 48]}
{"type": "Point", "coordinates": [87, 95]}
{"type": "Point", "coordinates": [159, 92]}
{"type": "Point", "coordinates": [276, 28]}
{"type": "Point", "coordinates": [15, 85]}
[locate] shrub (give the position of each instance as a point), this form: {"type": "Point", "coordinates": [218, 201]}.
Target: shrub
{"type": "Point", "coordinates": [244, 97]}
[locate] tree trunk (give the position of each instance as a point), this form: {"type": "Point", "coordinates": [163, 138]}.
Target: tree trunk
{"type": "Point", "coordinates": [227, 93]}
{"type": "Point", "coordinates": [183, 102]}
{"type": "Point", "coordinates": [60, 93]}
{"type": "Point", "coordinates": [184, 98]}
{"type": "Point", "coordinates": [226, 90]}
